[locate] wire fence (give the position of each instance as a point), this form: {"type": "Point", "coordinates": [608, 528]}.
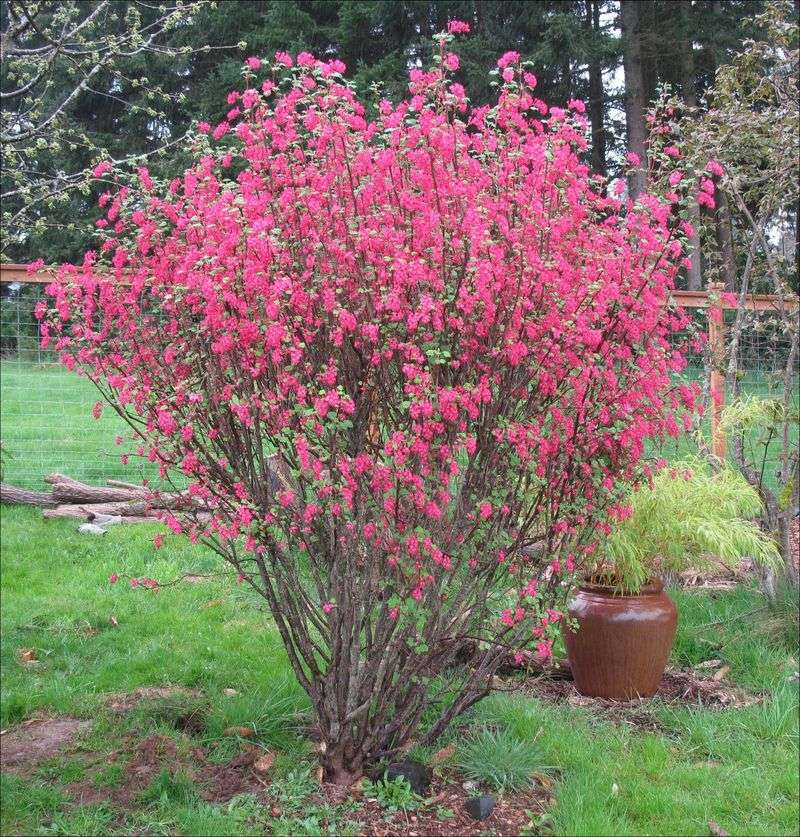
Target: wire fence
{"type": "Point", "coordinates": [46, 422]}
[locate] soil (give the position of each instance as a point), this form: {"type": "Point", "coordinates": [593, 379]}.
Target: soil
{"type": "Point", "coordinates": [130, 700]}
{"type": "Point", "coordinates": [679, 686]}
{"type": "Point", "coordinates": [510, 815]}
{"type": "Point", "coordinates": [38, 739]}
{"type": "Point", "coordinates": [221, 782]}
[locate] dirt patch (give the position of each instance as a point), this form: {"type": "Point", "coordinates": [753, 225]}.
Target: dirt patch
{"type": "Point", "coordinates": [510, 815]}
{"type": "Point", "coordinates": [146, 761]}
{"type": "Point", "coordinates": [221, 782]}
{"type": "Point", "coordinates": [719, 576]}
{"type": "Point", "coordinates": [149, 756]}
{"type": "Point", "coordinates": [130, 700]}
{"type": "Point", "coordinates": [39, 739]}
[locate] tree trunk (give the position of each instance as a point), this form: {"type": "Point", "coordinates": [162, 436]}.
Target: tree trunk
{"type": "Point", "coordinates": [635, 101]}
{"type": "Point", "coordinates": [722, 229]}
{"type": "Point", "coordinates": [596, 101]}
{"type": "Point", "coordinates": [694, 278]}
{"type": "Point", "coordinates": [85, 511]}
{"type": "Point", "coordinates": [22, 496]}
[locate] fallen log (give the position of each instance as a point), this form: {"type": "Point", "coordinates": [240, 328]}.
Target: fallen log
{"type": "Point", "coordinates": [129, 485]}
{"type": "Point", "coordinates": [83, 511]}
{"type": "Point", "coordinates": [24, 496]}
{"type": "Point", "coordinates": [70, 491]}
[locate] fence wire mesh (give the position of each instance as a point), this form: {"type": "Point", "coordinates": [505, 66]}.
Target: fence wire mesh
{"type": "Point", "coordinates": [46, 422]}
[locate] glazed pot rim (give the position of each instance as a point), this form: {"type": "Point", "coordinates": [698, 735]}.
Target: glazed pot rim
{"type": "Point", "coordinates": [652, 587]}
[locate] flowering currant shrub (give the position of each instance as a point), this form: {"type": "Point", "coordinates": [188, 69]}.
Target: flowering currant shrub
{"type": "Point", "coordinates": [408, 366]}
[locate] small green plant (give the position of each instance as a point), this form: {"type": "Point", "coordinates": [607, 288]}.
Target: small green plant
{"type": "Point", "coordinates": [392, 794]}
{"type": "Point", "coordinates": [687, 517]}
{"type": "Point", "coordinates": [168, 789]}
{"type": "Point", "coordinates": [109, 776]}
{"type": "Point", "coordinates": [499, 759]}
{"type": "Point", "coordinates": [782, 621]}
{"type": "Point", "coordinates": [89, 820]}
{"type": "Point", "coordinates": [62, 770]}
{"type": "Point", "coordinates": [293, 788]}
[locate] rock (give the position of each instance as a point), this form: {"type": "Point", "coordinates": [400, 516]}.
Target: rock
{"type": "Point", "coordinates": [107, 519]}
{"type": "Point", "coordinates": [230, 692]}
{"type": "Point", "coordinates": [444, 754]}
{"type": "Point", "coordinates": [416, 773]}
{"type": "Point", "coordinates": [264, 764]}
{"type": "Point", "coordinates": [244, 732]}
{"type": "Point", "coordinates": [91, 529]}
{"type": "Point", "coordinates": [480, 807]}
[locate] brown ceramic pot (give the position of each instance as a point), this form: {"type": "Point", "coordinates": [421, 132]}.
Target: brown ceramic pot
{"type": "Point", "coordinates": [623, 640]}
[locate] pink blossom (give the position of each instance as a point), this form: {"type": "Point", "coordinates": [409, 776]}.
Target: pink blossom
{"type": "Point", "coordinates": [97, 410]}
{"type": "Point", "coordinates": [445, 361]}
{"type": "Point", "coordinates": [713, 167]}
{"type": "Point", "coordinates": [166, 422]}
{"type": "Point", "coordinates": [457, 27]}
{"type": "Point", "coordinates": [451, 61]}
{"type": "Point", "coordinates": [254, 63]}
{"type": "Point", "coordinates": [347, 320]}
{"type": "Point", "coordinates": [101, 168]}
{"type": "Point", "coordinates": [507, 58]}
{"type": "Point", "coordinates": [633, 158]}
{"type": "Point", "coordinates": [113, 578]}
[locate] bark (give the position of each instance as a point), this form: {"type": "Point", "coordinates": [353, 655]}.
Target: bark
{"type": "Point", "coordinates": [635, 96]}
{"type": "Point", "coordinates": [22, 496]}
{"type": "Point", "coordinates": [596, 110]}
{"type": "Point", "coordinates": [70, 491]}
{"type": "Point", "coordinates": [67, 490]}
{"type": "Point", "coordinates": [85, 511]}
{"type": "Point", "coordinates": [724, 236]}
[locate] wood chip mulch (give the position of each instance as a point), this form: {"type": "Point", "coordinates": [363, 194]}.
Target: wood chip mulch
{"type": "Point", "coordinates": [511, 814]}
{"type": "Point", "coordinates": [704, 685]}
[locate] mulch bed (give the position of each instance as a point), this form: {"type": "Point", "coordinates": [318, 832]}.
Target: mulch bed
{"type": "Point", "coordinates": [699, 686]}
{"type": "Point", "coordinates": [510, 815]}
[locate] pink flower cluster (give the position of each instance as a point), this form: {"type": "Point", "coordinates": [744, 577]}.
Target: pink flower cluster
{"type": "Point", "coordinates": [456, 345]}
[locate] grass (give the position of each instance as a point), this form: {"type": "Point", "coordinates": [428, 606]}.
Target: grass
{"type": "Point", "coordinates": [47, 426]}
{"type": "Point", "coordinates": [499, 758]}
{"type": "Point", "coordinates": [736, 767]}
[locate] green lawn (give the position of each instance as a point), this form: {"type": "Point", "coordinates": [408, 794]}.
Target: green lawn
{"type": "Point", "coordinates": [46, 425]}
{"type": "Point", "coordinates": [736, 767]}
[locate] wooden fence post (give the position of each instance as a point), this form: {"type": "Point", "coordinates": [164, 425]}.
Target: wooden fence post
{"type": "Point", "coordinates": [716, 344]}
